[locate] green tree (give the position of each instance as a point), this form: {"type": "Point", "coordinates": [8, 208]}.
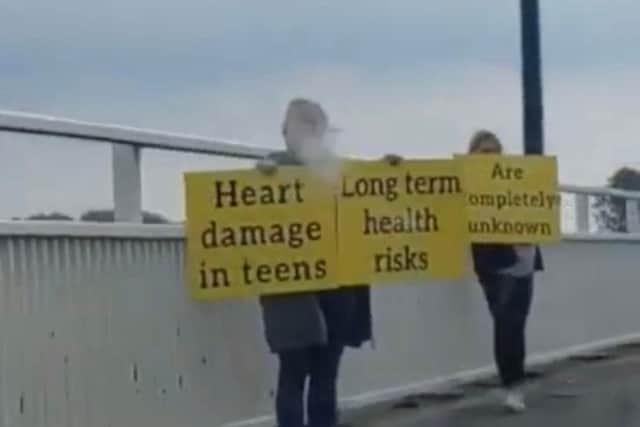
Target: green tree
{"type": "Point", "coordinates": [107, 215]}
{"type": "Point", "coordinates": [53, 216]}
{"type": "Point", "coordinates": [611, 211]}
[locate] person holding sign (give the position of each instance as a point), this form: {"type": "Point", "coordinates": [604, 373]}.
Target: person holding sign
{"type": "Point", "coordinates": [506, 275]}
{"type": "Point", "coordinates": [309, 331]}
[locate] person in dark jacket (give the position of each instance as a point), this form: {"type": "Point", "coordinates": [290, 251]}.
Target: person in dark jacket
{"type": "Point", "coordinates": [506, 275]}
{"type": "Point", "coordinates": [309, 331]}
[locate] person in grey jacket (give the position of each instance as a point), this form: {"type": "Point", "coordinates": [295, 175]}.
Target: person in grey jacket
{"type": "Point", "coordinates": [309, 331]}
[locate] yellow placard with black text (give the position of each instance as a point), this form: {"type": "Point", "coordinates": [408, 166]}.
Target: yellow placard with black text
{"type": "Point", "coordinates": [250, 234]}
{"type": "Point", "coordinates": [511, 199]}
{"type": "Point", "coordinates": [400, 223]}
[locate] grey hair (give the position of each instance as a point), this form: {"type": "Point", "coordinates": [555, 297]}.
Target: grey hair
{"type": "Point", "coordinates": [306, 111]}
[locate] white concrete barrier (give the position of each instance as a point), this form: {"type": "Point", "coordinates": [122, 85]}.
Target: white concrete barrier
{"type": "Point", "coordinates": [97, 330]}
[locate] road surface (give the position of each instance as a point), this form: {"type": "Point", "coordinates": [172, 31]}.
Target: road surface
{"type": "Point", "coordinates": [598, 391]}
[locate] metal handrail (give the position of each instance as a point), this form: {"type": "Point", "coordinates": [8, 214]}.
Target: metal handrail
{"type": "Point", "coordinates": [35, 124]}
{"type": "Point", "coordinates": [128, 141]}
{"type": "Point", "coordinates": [600, 191]}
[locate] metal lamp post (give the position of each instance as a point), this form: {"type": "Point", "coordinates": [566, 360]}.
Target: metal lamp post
{"type": "Point", "coordinates": [533, 112]}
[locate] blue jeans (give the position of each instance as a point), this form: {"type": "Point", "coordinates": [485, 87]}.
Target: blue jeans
{"type": "Point", "coordinates": [320, 366]}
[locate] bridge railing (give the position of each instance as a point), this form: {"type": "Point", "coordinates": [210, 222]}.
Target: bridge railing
{"type": "Point", "coordinates": [583, 203]}
{"type": "Point", "coordinates": [127, 144]}
{"type": "Point", "coordinates": [99, 314]}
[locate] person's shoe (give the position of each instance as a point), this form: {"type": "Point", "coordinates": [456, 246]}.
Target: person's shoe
{"type": "Point", "coordinates": [514, 401]}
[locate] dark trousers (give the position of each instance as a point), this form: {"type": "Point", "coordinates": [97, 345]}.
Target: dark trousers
{"type": "Point", "coordinates": [320, 366]}
{"type": "Point", "coordinates": [509, 301]}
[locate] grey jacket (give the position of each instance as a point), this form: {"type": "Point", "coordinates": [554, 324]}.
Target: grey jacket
{"type": "Point", "coordinates": [302, 320]}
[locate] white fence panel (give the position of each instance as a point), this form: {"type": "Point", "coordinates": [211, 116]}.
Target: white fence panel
{"type": "Point", "coordinates": [97, 330]}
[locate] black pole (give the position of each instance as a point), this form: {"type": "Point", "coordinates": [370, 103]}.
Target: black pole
{"type": "Point", "coordinates": [533, 113]}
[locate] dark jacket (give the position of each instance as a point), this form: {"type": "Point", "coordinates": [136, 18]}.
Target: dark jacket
{"type": "Point", "coordinates": [293, 321]}
{"type": "Point", "coordinates": [489, 259]}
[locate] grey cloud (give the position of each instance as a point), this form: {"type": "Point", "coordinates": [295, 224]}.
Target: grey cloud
{"type": "Point", "coordinates": [416, 75]}
{"type": "Point", "coordinates": [231, 35]}
{"type": "Point", "coordinates": [172, 46]}
{"type": "Point", "coordinates": [225, 36]}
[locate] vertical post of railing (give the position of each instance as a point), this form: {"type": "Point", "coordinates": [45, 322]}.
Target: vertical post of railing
{"type": "Point", "coordinates": [582, 212]}
{"type": "Point", "coordinates": [632, 215]}
{"type": "Point", "coordinates": [127, 183]}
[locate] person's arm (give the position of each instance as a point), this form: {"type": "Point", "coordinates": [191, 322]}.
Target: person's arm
{"type": "Point", "coordinates": [539, 261]}
{"type": "Point", "coordinates": [526, 255]}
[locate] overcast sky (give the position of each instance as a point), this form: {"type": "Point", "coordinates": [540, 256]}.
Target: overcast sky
{"type": "Point", "coordinates": [415, 77]}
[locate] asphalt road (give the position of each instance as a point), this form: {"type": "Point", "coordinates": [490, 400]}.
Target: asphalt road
{"type": "Point", "coordinates": [577, 393]}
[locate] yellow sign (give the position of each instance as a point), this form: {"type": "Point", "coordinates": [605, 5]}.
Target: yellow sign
{"type": "Point", "coordinates": [511, 199]}
{"type": "Point", "coordinates": [251, 234]}
{"type": "Point", "coordinates": [400, 223]}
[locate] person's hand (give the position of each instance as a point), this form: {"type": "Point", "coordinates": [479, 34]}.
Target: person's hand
{"type": "Point", "coordinates": [393, 159]}
{"type": "Point", "coordinates": [266, 166]}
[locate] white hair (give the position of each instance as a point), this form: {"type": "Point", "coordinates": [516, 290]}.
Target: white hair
{"type": "Point", "coordinates": [307, 136]}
